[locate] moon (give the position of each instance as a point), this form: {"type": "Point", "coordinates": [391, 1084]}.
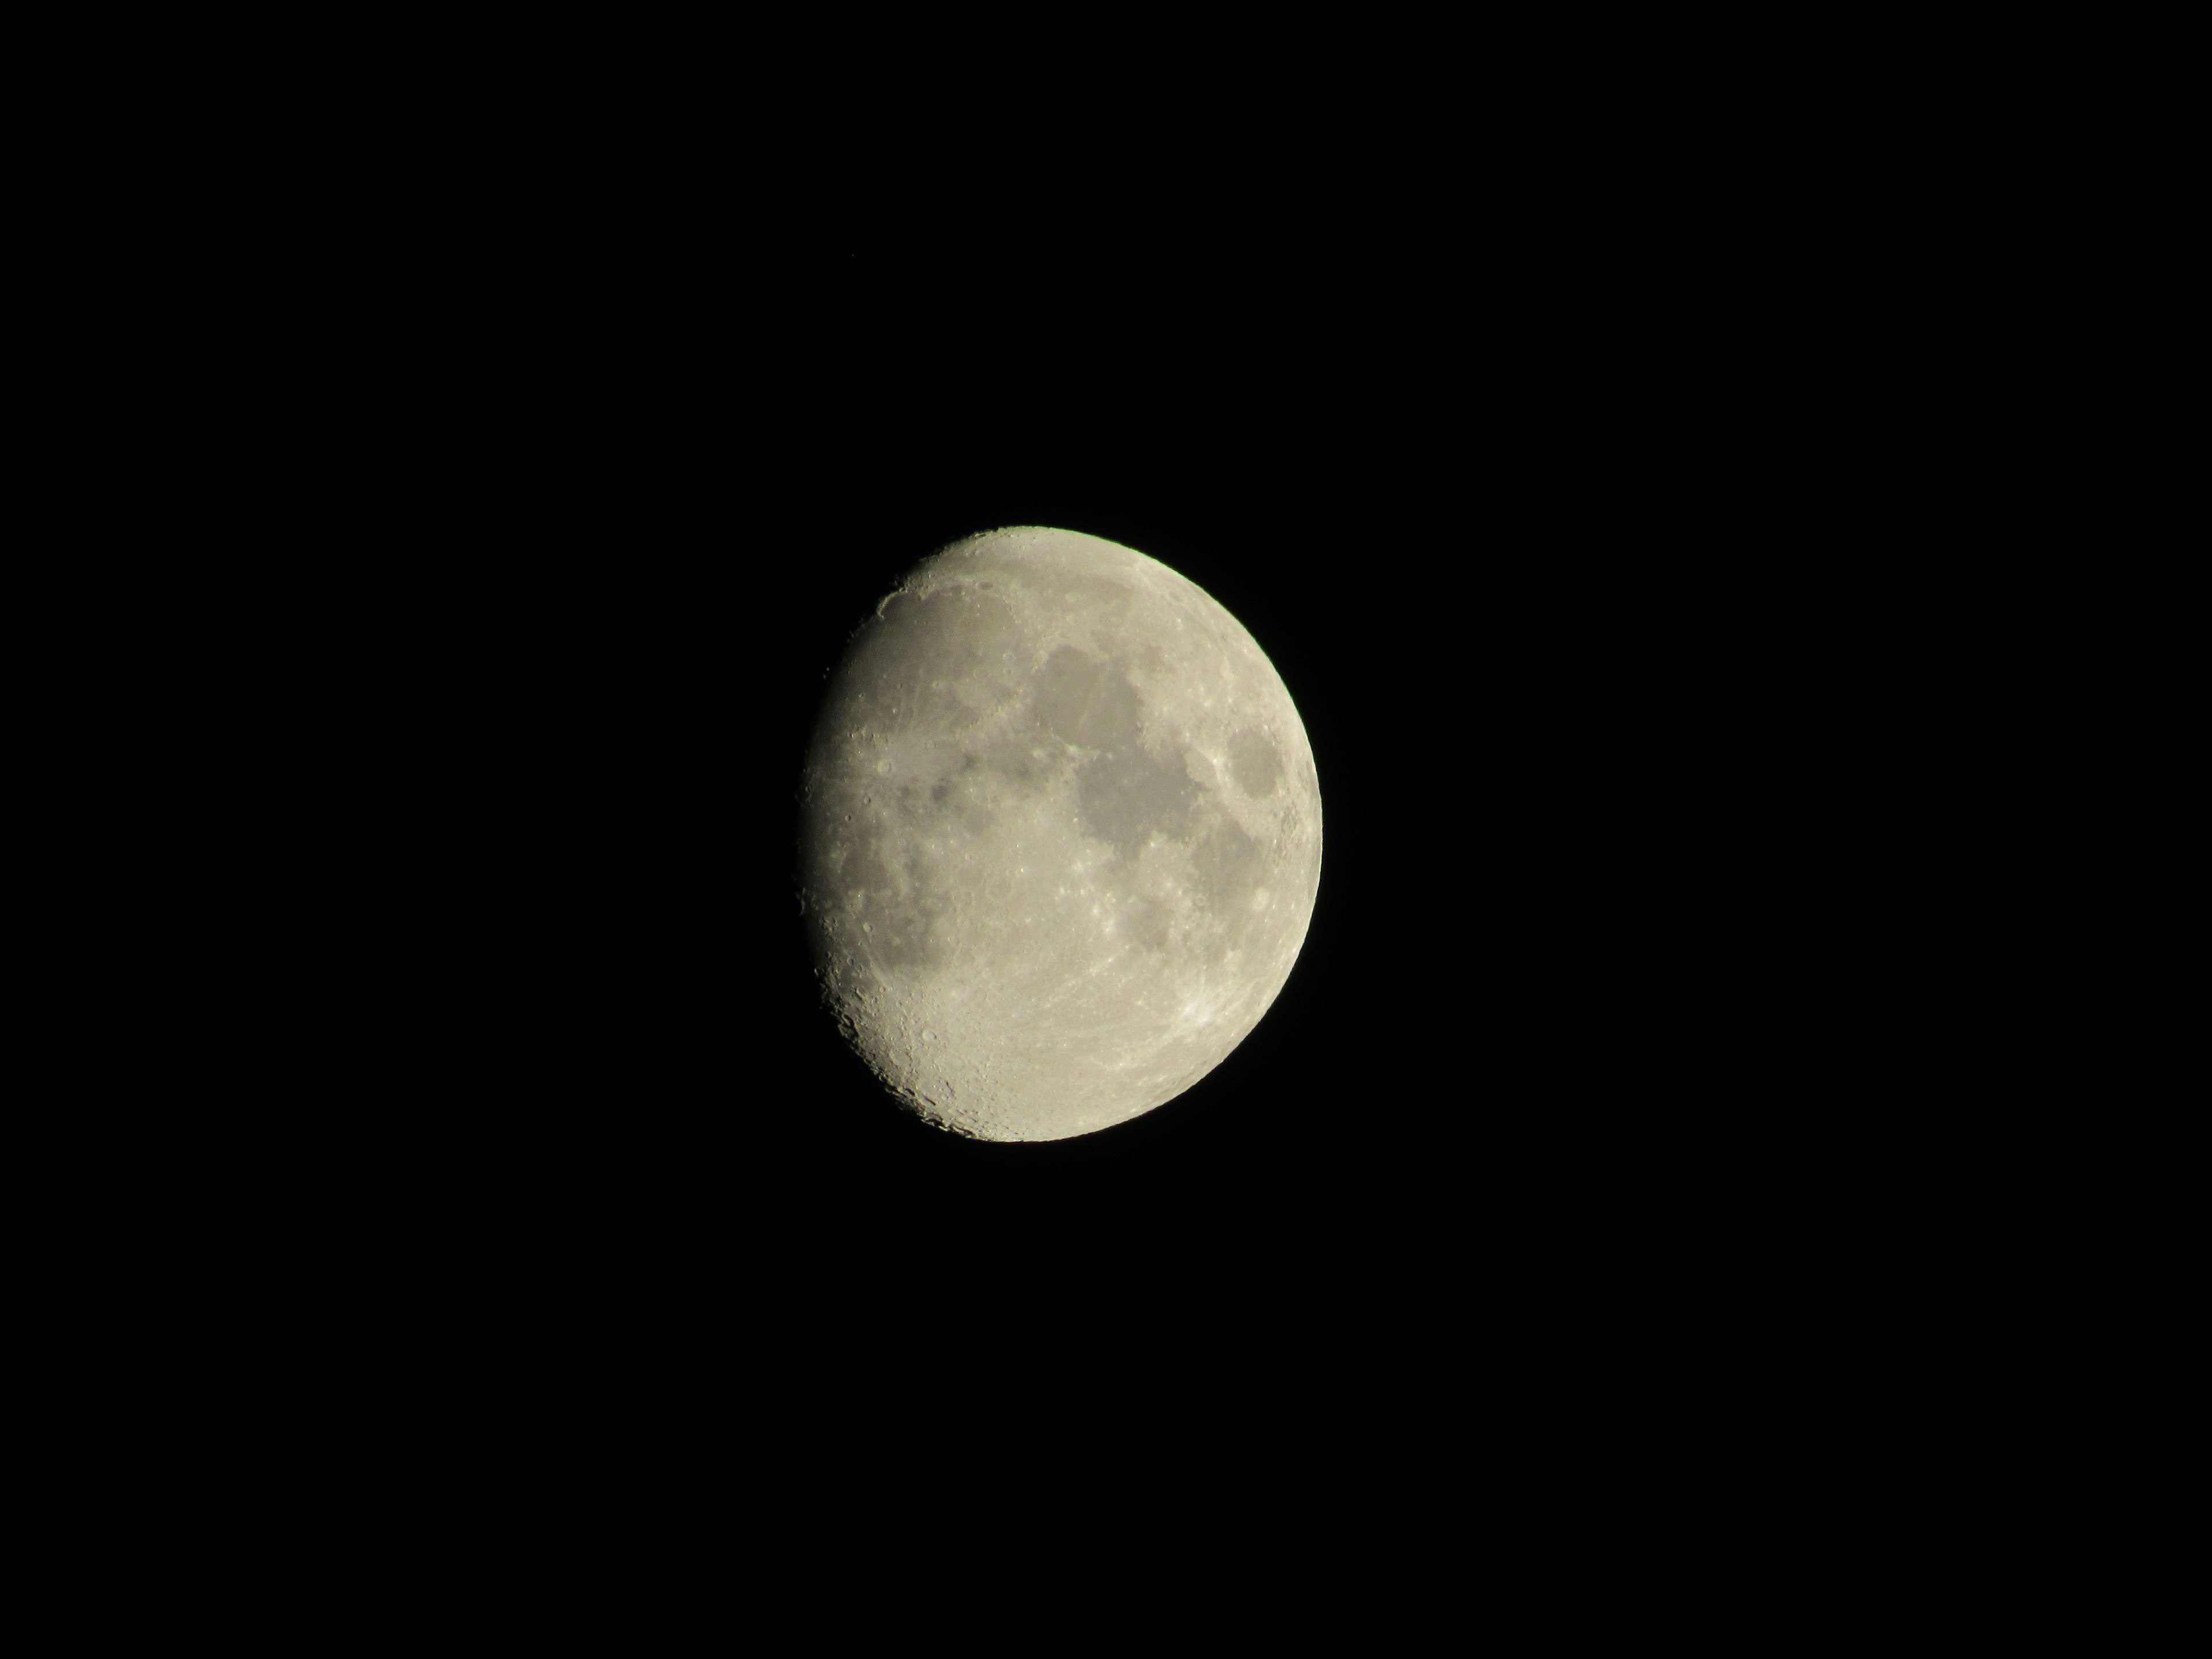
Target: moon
{"type": "Point", "coordinates": [1059, 836]}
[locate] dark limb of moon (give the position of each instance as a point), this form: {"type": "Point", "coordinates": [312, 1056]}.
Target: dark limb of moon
{"type": "Point", "coordinates": [1059, 838]}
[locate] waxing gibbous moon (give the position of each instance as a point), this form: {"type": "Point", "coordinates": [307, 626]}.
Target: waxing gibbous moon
{"type": "Point", "coordinates": [1059, 836]}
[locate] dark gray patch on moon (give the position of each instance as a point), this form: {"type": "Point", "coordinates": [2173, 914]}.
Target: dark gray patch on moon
{"type": "Point", "coordinates": [1229, 867]}
{"type": "Point", "coordinates": [1127, 797]}
{"type": "Point", "coordinates": [896, 914]}
{"type": "Point", "coordinates": [1126, 794]}
{"type": "Point", "coordinates": [1146, 921]}
{"type": "Point", "coordinates": [1087, 702]}
{"type": "Point", "coordinates": [1254, 763]}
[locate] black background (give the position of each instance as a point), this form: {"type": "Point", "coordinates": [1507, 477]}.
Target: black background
{"type": "Point", "coordinates": [1507, 526]}
{"type": "Point", "coordinates": [1503, 568]}
{"type": "Point", "coordinates": [1551, 466]}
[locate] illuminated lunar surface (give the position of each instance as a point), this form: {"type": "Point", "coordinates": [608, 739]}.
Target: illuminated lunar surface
{"type": "Point", "coordinates": [1059, 836]}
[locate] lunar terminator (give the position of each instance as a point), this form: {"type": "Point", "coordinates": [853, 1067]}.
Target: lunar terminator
{"type": "Point", "coordinates": [1059, 835]}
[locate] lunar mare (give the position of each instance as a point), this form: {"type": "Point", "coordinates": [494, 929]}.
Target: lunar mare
{"type": "Point", "coordinates": [1059, 835]}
